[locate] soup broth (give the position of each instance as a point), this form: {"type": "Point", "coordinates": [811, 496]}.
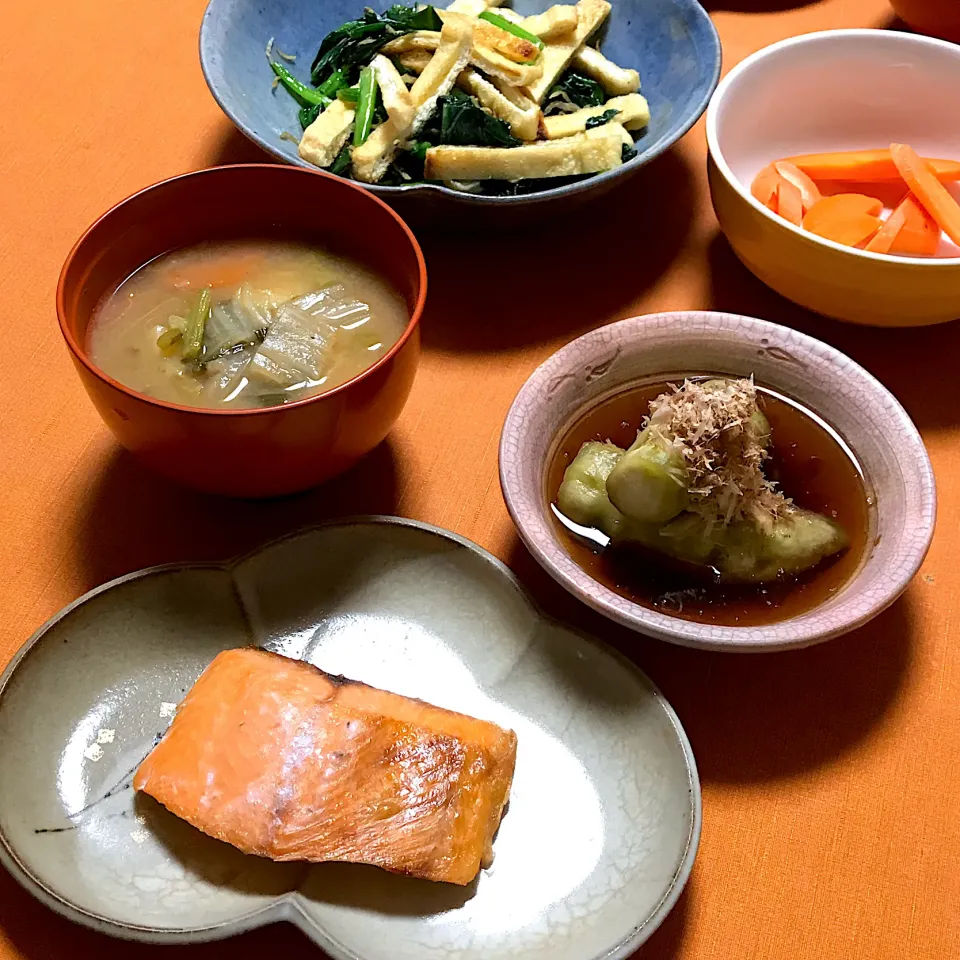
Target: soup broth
{"type": "Point", "coordinates": [808, 463]}
{"type": "Point", "coordinates": [283, 321]}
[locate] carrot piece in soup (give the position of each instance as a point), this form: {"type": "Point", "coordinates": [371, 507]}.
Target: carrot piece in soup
{"type": "Point", "coordinates": [790, 203]}
{"type": "Point", "coordinates": [931, 193]}
{"type": "Point", "coordinates": [809, 192]}
{"type": "Point", "coordinates": [226, 271]}
{"type": "Point", "coordinates": [847, 218]}
{"type": "Point", "coordinates": [764, 186]}
{"type": "Point", "coordinates": [864, 166]}
{"type": "Point", "coordinates": [920, 234]}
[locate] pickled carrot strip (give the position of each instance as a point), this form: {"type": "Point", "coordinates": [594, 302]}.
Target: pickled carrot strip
{"type": "Point", "coordinates": [847, 218]}
{"type": "Point", "coordinates": [931, 193]}
{"type": "Point", "coordinates": [764, 186]}
{"type": "Point", "coordinates": [790, 203]}
{"type": "Point", "coordinates": [883, 239]}
{"type": "Point", "coordinates": [809, 192]}
{"type": "Point", "coordinates": [864, 166]}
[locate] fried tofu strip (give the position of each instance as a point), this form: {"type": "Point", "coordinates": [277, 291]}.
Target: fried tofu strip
{"type": "Point", "coordinates": [632, 112]}
{"type": "Point", "coordinates": [440, 74]}
{"type": "Point", "coordinates": [498, 66]}
{"type": "Point", "coordinates": [397, 100]}
{"type": "Point", "coordinates": [508, 104]}
{"type": "Point", "coordinates": [486, 58]}
{"type": "Point", "coordinates": [559, 21]}
{"type": "Point", "coordinates": [503, 100]}
{"type": "Point", "coordinates": [412, 41]}
{"type": "Point", "coordinates": [472, 8]}
{"type": "Point", "coordinates": [613, 79]}
{"type": "Point", "coordinates": [512, 47]}
{"type": "Point", "coordinates": [371, 159]}
{"type": "Point", "coordinates": [414, 61]}
{"type": "Point", "coordinates": [326, 136]}
{"type": "Point", "coordinates": [590, 152]}
{"type": "Point", "coordinates": [626, 138]}
{"type": "Point", "coordinates": [557, 55]}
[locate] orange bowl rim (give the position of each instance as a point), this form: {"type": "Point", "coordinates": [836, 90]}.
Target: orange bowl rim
{"type": "Point", "coordinates": [716, 152]}
{"type": "Point", "coordinates": [80, 353]}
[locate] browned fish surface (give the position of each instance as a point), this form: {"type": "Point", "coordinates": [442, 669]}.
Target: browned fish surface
{"type": "Point", "coordinates": [281, 760]}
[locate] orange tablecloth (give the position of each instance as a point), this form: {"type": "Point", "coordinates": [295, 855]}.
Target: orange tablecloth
{"type": "Point", "coordinates": [830, 776]}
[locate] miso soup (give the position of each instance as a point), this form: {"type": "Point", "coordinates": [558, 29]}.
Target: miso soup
{"type": "Point", "coordinates": [251, 323]}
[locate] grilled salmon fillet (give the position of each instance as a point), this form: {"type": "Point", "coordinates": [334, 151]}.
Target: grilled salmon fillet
{"type": "Point", "coordinates": [284, 761]}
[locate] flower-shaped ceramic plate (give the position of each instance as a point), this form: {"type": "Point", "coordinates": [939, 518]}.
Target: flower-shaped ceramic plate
{"type": "Point", "coordinates": [604, 816]}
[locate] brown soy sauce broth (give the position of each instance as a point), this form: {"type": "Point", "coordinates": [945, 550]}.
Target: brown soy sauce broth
{"type": "Point", "coordinates": [810, 465]}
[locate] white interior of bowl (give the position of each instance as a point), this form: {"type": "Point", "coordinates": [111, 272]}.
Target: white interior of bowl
{"type": "Point", "coordinates": [867, 416]}
{"type": "Point", "coordinates": [833, 91]}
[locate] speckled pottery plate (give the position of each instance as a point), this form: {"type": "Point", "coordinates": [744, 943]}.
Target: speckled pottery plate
{"type": "Point", "coordinates": [604, 816]}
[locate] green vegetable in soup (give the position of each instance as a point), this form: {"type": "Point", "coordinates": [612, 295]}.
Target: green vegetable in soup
{"type": "Point", "coordinates": [793, 543]}
{"type": "Point", "coordinates": [196, 324]}
{"type": "Point", "coordinates": [692, 488]}
{"type": "Point", "coordinates": [743, 552]}
{"type": "Point", "coordinates": [169, 339]}
{"type": "Point", "coordinates": [320, 318]}
{"type": "Point", "coordinates": [295, 350]}
{"type": "Point", "coordinates": [583, 494]}
{"type": "Point", "coordinates": [649, 482]}
{"type": "Point", "coordinates": [232, 326]}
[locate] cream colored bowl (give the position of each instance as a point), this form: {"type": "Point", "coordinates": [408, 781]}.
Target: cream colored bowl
{"type": "Point", "coordinates": [837, 90]}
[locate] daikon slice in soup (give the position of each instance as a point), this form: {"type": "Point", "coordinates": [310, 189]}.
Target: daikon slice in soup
{"type": "Point", "coordinates": [250, 323]}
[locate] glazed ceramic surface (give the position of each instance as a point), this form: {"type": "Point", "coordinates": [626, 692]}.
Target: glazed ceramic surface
{"type": "Point", "coordinates": [604, 815]}
{"type": "Point", "coordinates": [261, 452]}
{"type": "Point", "coordinates": [821, 92]}
{"type": "Point", "coordinates": [671, 42]}
{"type": "Point", "coordinates": [667, 346]}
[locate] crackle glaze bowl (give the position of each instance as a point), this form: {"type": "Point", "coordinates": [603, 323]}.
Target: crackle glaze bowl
{"type": "Point", "coordinates": [603, 363]}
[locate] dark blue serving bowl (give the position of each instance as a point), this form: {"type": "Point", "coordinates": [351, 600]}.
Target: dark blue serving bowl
{"type": "Point", "coordinates": [673, 44]}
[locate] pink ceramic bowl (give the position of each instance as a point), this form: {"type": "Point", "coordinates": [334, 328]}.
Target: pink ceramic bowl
{"type": "Point", "coordinates": [261, 452]}
{"type": "Point", "coordinates": [665, 346]}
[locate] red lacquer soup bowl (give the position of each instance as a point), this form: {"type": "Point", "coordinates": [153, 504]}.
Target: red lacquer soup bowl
{"type": "Point", "coordinates": [266, 451]}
